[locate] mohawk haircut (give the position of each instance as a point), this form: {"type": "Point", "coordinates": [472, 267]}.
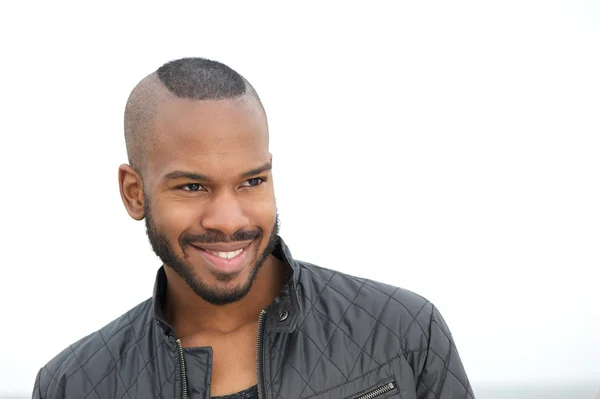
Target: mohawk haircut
{"type": "Point", "coordinates": [188, 78]}
{"type": "Point", "coordinates": [202, 79]}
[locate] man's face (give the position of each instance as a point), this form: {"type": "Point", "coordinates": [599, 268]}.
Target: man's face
{"type": "Point", "coordinates": [208, 194]}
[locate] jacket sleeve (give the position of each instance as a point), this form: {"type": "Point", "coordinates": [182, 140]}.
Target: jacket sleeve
{"type": "Point", "coordinates": [37, 394]}
{"type": "Point", "coordinates": [45, 387]}
{"type": "Point", "coordinates": [443, 375]}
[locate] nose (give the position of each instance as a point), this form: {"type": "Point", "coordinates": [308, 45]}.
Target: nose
{"type": "Point", "coordinates": [224, 214]}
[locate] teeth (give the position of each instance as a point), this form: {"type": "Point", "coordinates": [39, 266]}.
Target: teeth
{"type": "Point", "coordinates": [227, 255]}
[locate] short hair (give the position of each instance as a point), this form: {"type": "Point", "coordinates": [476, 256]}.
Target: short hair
{"type": "Point", "coordinates": [190, 78]}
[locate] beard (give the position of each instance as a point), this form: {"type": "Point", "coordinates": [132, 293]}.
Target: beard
{"type": "Point", "coordinates": [214, 295]}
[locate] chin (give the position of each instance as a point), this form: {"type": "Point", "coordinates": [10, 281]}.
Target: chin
{"type": "Point", "coordinates": [218, 292]}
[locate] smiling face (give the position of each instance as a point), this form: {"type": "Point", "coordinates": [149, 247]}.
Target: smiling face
{"type": "Point", "coordinates": [208, 194]}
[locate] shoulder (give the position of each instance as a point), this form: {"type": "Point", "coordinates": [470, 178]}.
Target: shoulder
{"type": "Point", "coordinates": [404, 313]}
{"type": "Point", "coordinates": [95, 354]}
{"type": "Point", "coordinates": [356, 288]}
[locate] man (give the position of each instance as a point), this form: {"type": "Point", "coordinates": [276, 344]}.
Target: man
{"type": "Point", "coordinates": [233, 315]}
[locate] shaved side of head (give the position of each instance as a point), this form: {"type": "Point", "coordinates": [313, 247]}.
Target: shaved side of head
{"type": "Point", "coordinates": [188, 78]}
{"type": "Point", "coordinates": [139, 118]}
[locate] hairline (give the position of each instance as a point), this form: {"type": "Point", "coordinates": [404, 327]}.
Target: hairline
{"type": "Point", "coordinates": [135, 158]}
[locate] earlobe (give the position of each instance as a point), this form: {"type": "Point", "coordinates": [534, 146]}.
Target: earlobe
{"type": "Point", "coordinates": [132, 193]}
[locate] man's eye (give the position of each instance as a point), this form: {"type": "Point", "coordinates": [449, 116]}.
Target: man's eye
{"type": "Point", "coordinates": [192, 187]}
{"type": "Point", "coordinates": [254, 182]}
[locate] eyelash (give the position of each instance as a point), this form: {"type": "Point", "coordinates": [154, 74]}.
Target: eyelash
{"type": "Point", "coordinates": [191, 184]}
{"type": "Point", "coordinates": [260, 179]}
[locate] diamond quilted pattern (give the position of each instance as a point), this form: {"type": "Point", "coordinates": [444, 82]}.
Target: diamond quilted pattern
{"type": "Point", "coordinates": [344, 335]}
{"type": "Point", "coordinates": [124, 358]}
{"type": "Point", "coordinates": [353, 327]}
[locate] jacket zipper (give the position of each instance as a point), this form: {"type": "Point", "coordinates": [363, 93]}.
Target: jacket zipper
{"type": "Point", "coordinates": [390, 386]}
{"type": "Point", "coordinates": [184, 393]}
{"type": "Point", "coordinates": [259, 352]}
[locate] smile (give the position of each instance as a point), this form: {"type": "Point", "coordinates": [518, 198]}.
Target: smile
{"type": "Point", "coordinates": [226, 255]}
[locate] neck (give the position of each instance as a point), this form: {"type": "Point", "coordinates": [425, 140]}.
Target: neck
{"type": "Point", "coordinates": [191, 315]}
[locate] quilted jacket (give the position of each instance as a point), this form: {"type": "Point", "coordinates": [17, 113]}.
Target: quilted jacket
{"type": "Point", "coordinates": [328, 335]}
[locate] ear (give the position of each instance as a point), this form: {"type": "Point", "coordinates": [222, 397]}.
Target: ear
{"type": "Point", "coordinates": [132, 192]}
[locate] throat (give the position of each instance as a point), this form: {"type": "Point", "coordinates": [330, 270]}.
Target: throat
{"type": "Point", "coordinates": [234, 366]}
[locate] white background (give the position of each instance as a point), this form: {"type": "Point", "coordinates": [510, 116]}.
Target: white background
{"type": "Point", "coordinates": [450, 148]}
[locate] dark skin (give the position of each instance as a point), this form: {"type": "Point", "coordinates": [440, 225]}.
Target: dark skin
{"type": "Point", "coordinates": [225, 143]}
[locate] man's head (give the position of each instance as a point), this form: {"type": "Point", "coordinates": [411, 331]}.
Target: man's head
{"type": "Point", "coordinates": [200, 174]}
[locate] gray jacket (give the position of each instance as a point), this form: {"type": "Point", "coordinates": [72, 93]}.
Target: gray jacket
{"type": "Point", "coordinates": [328, 335]}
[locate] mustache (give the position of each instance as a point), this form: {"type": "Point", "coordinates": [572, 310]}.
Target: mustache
{"type": "Point", "coordinates": [213, 236]}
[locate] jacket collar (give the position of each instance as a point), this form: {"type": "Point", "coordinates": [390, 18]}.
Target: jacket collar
{"type": "Point", "coordinates": [282, 314]}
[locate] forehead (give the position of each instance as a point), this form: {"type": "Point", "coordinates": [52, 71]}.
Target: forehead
{"type": "Point", "coordinates": [214, 137]}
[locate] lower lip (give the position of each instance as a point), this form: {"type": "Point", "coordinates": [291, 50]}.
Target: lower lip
{"type": "Point", "coordinates": [221, 265]}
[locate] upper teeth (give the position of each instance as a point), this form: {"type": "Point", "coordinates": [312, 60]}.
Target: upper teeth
{"type": "Point", "coordinates": [227, 255]}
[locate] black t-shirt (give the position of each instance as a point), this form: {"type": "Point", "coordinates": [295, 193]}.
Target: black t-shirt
{"type": "Point", "coordinates": [250, 393]}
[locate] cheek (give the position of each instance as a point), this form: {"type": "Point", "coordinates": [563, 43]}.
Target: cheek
{"type": "Point", "coordinates": [175, 218]}
{"type": "Point", "coordinates": [262, 214]}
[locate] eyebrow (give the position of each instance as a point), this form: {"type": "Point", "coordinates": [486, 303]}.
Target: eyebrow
{"type": "Point", "coordinates": [181, 174]}
{"type": "Point", "coordinates": [266, 167]}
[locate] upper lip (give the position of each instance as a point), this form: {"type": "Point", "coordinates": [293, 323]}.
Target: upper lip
{"type": "Point", "coordinates": [223, 246]}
